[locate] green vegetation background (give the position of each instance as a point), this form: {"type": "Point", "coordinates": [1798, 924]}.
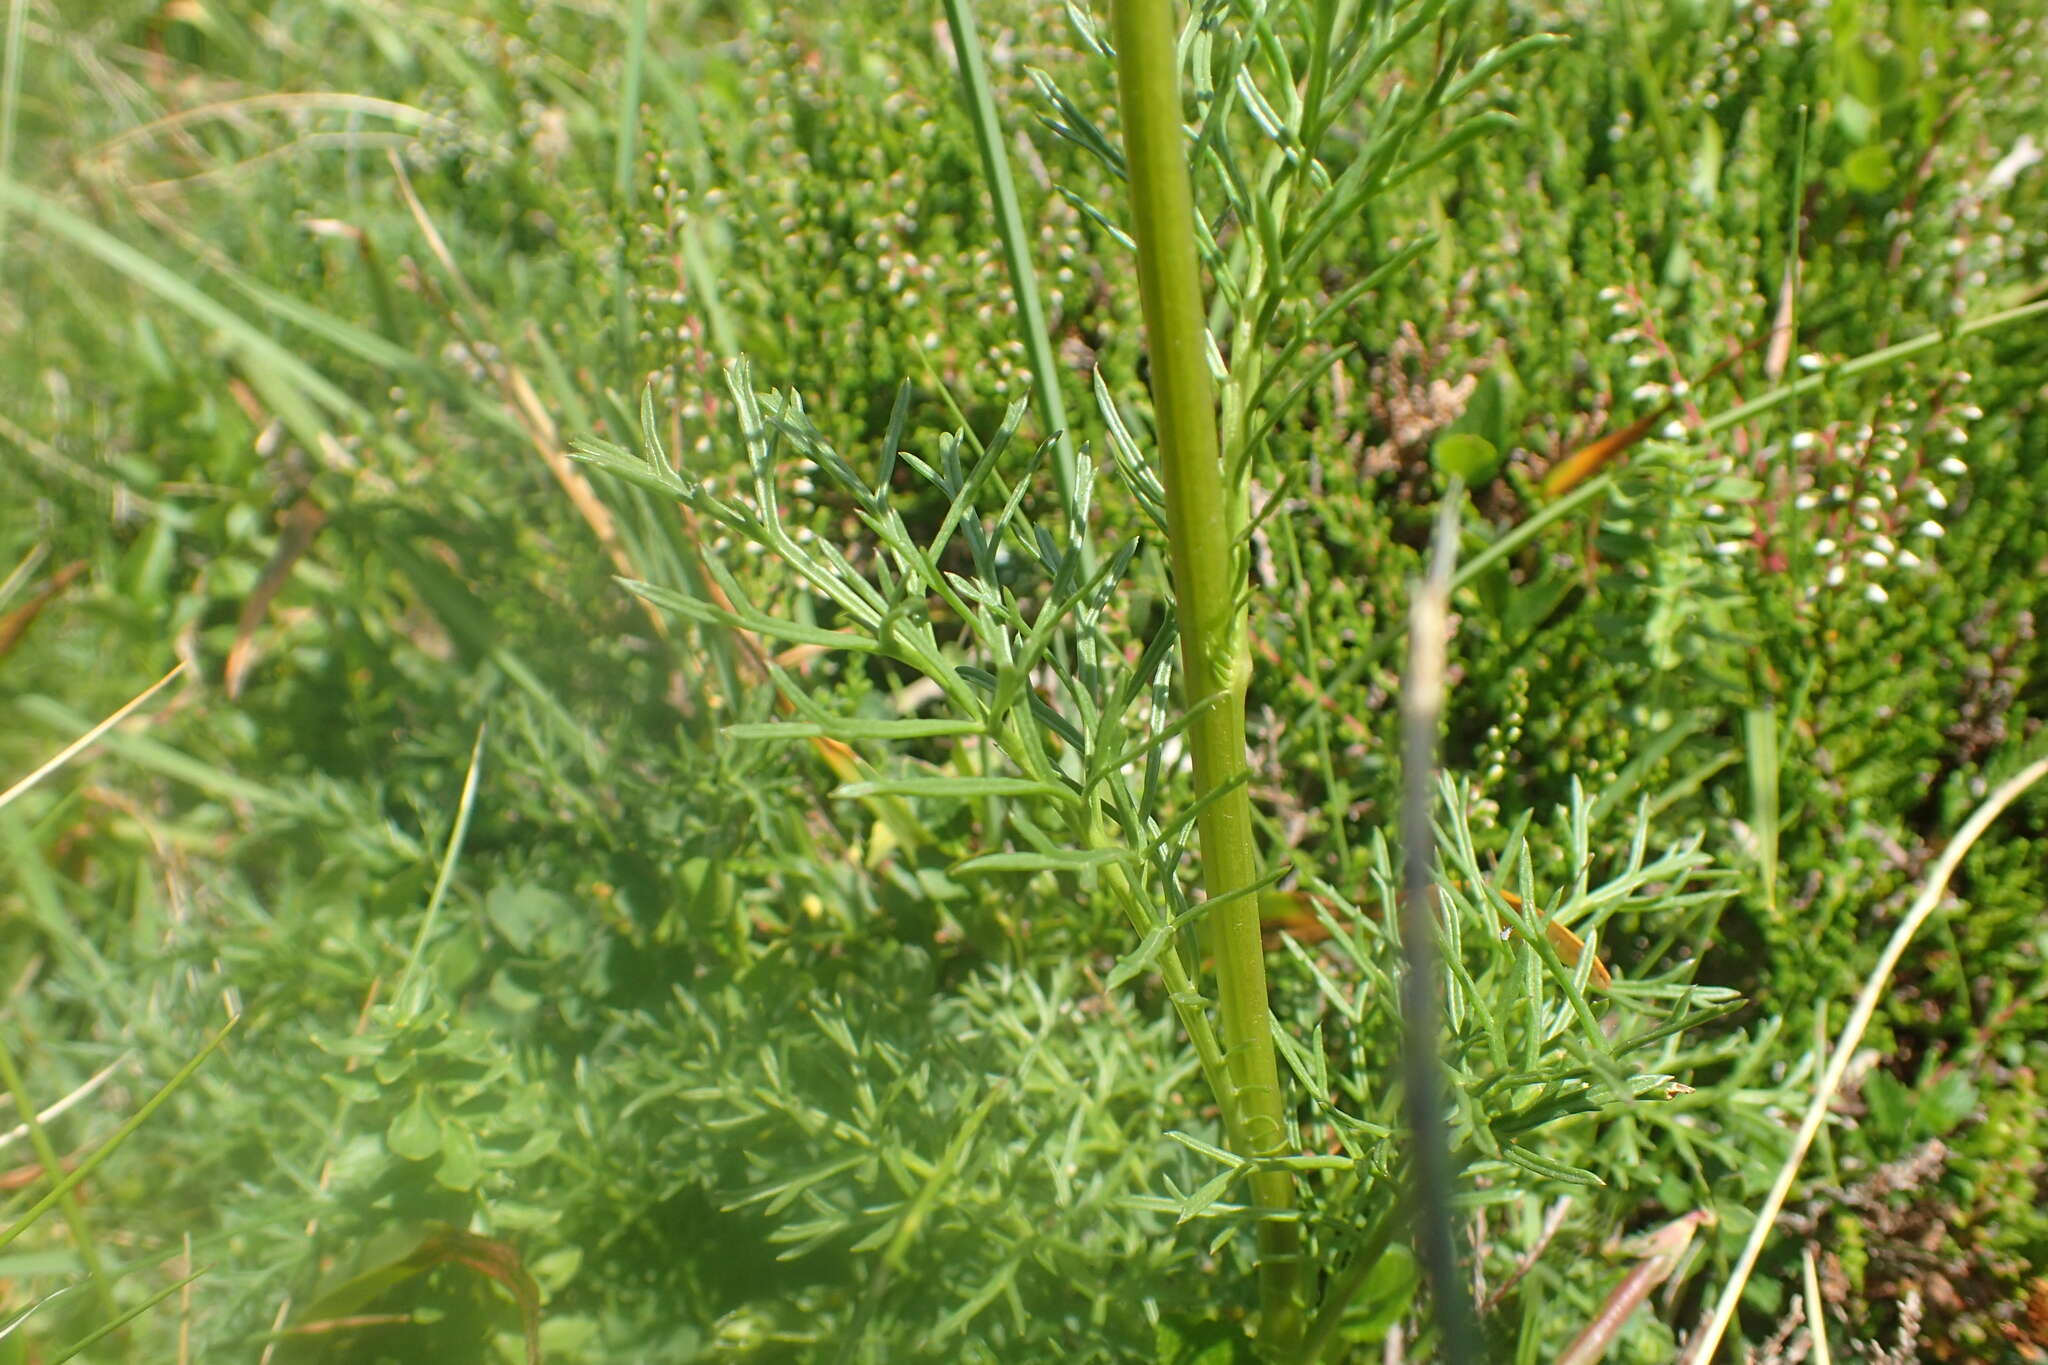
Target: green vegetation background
{"type": "Point", "coordinates": [669, 1038]}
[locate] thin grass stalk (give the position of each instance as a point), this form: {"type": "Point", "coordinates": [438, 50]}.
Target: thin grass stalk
{"type": "Point", "coordinates": [69, 1102]}
{"type": "Point", "coordinates": [1864, 364]}
{"type": "Point", "coordinates": [10, 100]}
{"type": "Point", "coordinates": [89, 738]}
{"type": "Point", "coordinates": [250, 344]}
{"type": "Point", "coordinates": [1760, 739]}
{"type": "Point", "coordinates": [1816, 1306]}
{"type": "Point", "coordinates": [53, 1164]}
{"type": "Point", "coordinates": [1422, 709]}
{"type": "Point", "coordinates": [80, 1173]}
{"type": "Point", "coordinates": [626, 152]}
{"type": "Point", "coordinates": [1208, 578]}
{"type": "Point", "coordinates": [465, 804]}
{"type": "Point", "coordinates": [1700, 1349]}
{"type": "Point", "coordinates": [107, 1329]}
{"type": "Point", "coordinates": [1661, 1259]}
{"type": "Point", "coordinates": [979, 97]}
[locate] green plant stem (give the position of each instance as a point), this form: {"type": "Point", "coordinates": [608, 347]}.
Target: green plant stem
{"type": "Point", "coordinates": [84, 1169]}
{"type": "Point", "coordinates": [1863, 364]}
{"type": "Point", "coordinates": [1002, 192]}
{"type": "Point", "coordinates": [403, 996]}
{"type": "Point", "coordinates": [10, 98]}
{"type": "Point", "coordinates": [1322, 1333]}
{"type": "Point", "coordinates": [53, 1164]}
{"type": "Point", "coordinates": [627, 150]}
{"type": "Point", "coordinates": [108, 1328]}
{"type": "Point", "coordinates": [1181, 988]}
{"type": "Point", "coordinates": [1208, 578]}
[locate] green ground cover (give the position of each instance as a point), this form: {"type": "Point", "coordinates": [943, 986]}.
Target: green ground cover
{"type": "Point", "coordinates": [576, 1010]}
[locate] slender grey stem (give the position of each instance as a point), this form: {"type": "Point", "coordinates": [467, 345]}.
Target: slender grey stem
{"type": "Point", "coordinates": [1422, 706]}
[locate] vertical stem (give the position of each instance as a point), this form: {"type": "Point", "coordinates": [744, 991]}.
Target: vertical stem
{"type": "Point", "coordinates": [1002, 193]}
{"type": "Point", "coordinates": [1209, 585]}
{"type": "Point", "coordinates": [1422, 709]}
{"type": "Point", "coordinates": [10, 97]}
{"type": "Point", "coordinates": [626, 151]}
{"type": "Point", "coordinates": [53, 1166]}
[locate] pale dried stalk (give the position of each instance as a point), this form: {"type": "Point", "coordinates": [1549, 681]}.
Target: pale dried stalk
{"type": "Point", "coordinates": [1704, 1343]}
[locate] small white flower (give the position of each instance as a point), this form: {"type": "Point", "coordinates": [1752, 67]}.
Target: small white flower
{"type": "Point", "coordinates": [1876, 593]}
{"type": "Point", "coordinates": [1803, 440]}
{"type": "Point", "coordinates": [1873, 560]}
{"type": "Point", "coordinates": [1824, 547]}
{"type": "Point", "coordinates": [1908, 560]}
{"type": "Point", "coordinates": [1834, 576]}
{"type": "Point", "coordinates": [1952, 465]}
{"type": "Point", "coordinates": [1674, 430]}
{"type": "Point", "coordinates": [1806, 502]}
{"type": "Point", "coordinates": [1936, 499]}
{"type": "Point", "coordinates": [1931, 529]}
{"type": "Point", "coordinates": [1642, 360]}
{"type": "Point", "coordinates": [1810, 362]}
{"type": "Point", "coordinates": [1646, 393]}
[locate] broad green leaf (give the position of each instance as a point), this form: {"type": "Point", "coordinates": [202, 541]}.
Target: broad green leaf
{"type": "Point", "coordinates": [415, 1134]}
{"type": "Point", "coordinates": [462, 1165]}
{"type": "Point", "coordinates": [522, 913]}
{"type": "Point", "coordinates": [1869, 169]}
{"type": "Point", "coordinates": [1947, 1102]}
{"type": "Point", "coordinates": [1471, 458]}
